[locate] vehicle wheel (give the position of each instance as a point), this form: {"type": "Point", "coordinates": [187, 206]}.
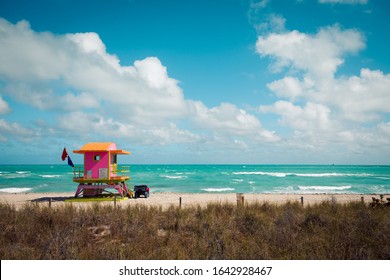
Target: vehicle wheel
{"type": "Point", "coordinates": [146, 194]}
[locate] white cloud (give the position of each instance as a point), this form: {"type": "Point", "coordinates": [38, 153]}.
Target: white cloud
{"type": "Point", "coordinates": [291, 87]}
{"type": "Point", "coordinates": [259, 4]}
{"type": "Point", "coordinates": [256, 16]}
{"type": "Point", "coordinates": [94, 95]}
{"type": "Point", "coordinates": [343, 1]}
{"type": "Point", "coordinates": [29, 56]}
{"type": "Point", "coordinates": [313, 117]}
{"type": "Point", "coordinates": [91, 44]}
{"type": "Point", "coordinates": [318, 55]}
{"type": "Point", "coordinates": [155, 74]}
{"type": "Point", "coordinates": [384, 128]}
{"type": "Point", "coordinates": [80, 101]}
{"type": "Point", "coordinates": [315, 128]}
{"type": "Point", "coordinates": [4, 107]}
{"type": "Point", "coordinates": [227, 117]}
{"type": "Point", "coordinates": [36, 64]}
{"type": "Point", "coordinates": [360, 98]}
{"type": "Point", "coordinates": [272, 23]}
{"type": "Point", "coordinates": [79, 122]}
{"type": "Point", "coordinates": [8, 129]}
{"type": "Point", "coordinates": [228, 120]}
{"type": "Point", "coordinates": [334, 107]}
{"type": "Point", "coordinates": [74, 73]}
{"type": "Point", "coordinates": [44, 98]}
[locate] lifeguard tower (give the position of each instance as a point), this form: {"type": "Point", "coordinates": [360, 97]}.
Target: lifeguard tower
{"type": "Point", "coordinates": [100, 172]}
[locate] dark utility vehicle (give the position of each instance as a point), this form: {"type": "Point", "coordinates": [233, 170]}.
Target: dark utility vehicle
{"type": "Point", "coordinates": [141, 190]}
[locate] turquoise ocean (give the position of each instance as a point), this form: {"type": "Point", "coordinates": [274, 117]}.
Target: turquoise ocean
{"type": "Point", "coordinates": [213, 178]}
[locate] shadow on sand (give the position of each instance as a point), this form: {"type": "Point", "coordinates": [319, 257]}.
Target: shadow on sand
{"type": "Point", "coordinates": [53, 199]}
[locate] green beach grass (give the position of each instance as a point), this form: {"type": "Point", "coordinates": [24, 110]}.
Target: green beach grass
{"type": "Point", "coordinates": [323, 231]}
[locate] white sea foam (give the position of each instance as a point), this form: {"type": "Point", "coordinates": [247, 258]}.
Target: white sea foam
{"type": "Point", "coordinates": [379, 189]}
{"type": "Point", "coordinates": [327, 174]}
{"type": "Point", "coordinates": [50, 176]}
{"type": "Point", "coordinates": [218, 189]}
{"type": "Point", "coordinates": [173, 176]}
{"type": "Point", "coordinates": [15, 175]}
{"type": "Point", "coordinates": [22, 172]}
{"type": "Point", "coordinates": [15, 190]}
{"type": "Point", "coordinates": [324, 188]}
{"type": "Point", "coordinates": [289, 189]}
{"type": "Point", "coordinates": [284, 174]}
{"type": "Point", "coordinates": [383, 178]}
{"type": "Point", "coordinates": [274, 174]}
{"type": "Point", "coordinates": [238, 180]}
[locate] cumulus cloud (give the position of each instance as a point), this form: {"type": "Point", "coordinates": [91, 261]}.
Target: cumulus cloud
{"type": "Point", "coordinates": [315, 128]}
{"type": "Point", "coordinates": [360, 98]}
{"type": "Point", "coordinates": [35, 63]}
{"type": "Point", "coordinates": [312, 117]}
{"type": "Point", "coordinates": [91, 91]}
{"type": "Point", "coordinates": [99, 125]}
{"type": "Point", "coordinates": [357, 98]}
{"type": "Point", "coordinates": [333, 107]}
{"type": "Point", "coordinates": [313, 125]}
{"type": "Point", "coordinates": [30, 56]}
{"type": "Point", "coordinates": [4, 108]}
{"type": "Point", "coordinates": [343, 1]}
{"type": "Point", "coordinates": [15, 129]}
{"type": "Point", "coordinates": [272, 23]}
{"type": "Point", "coordinates": [229, 119]}
{"type": "Point", "coordinates": [385, 128]}
{"type": "Point", "coordinates": [319, 55]}
{"type": "Point", "coordinates": [291, 87]}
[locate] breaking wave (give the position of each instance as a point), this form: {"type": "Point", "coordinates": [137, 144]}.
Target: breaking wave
{"type": "Point", "coordinates": [274, 174]}
{"type": "Point", "coordinates": [324, 188]}
{"type": "Point", "coordinates": [15, 190]}
{"type": "Point", "coordinates": [173, 176]}
{"type": "Point", "coordinates": [284, 174]}
{"type": "Point", "coordinates": [218, 189]}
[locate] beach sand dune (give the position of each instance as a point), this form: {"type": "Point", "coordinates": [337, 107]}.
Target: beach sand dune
{"type": "Point", "coordinates": [187, 199]}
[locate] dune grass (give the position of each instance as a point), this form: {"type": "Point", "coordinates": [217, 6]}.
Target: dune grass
{"type": "Point", "coordinates": [218, 231]}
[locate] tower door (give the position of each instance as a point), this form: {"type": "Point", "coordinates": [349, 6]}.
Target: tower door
{"type": "Point", "coordinates": [103, 173]}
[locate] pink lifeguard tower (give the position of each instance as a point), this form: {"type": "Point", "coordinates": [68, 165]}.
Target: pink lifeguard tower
{"type": "Point", "coordinates": [100, 172]}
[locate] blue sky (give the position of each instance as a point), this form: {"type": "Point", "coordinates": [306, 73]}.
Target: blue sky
{"type": "Point", "coordinates": [218, 81]}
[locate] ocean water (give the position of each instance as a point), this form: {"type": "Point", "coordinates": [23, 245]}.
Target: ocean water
{"type": "Point", "coordinates": [213, 178]}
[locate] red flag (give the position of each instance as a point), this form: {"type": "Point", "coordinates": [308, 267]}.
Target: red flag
{"type": "Point", "coordinates": [64, 154]}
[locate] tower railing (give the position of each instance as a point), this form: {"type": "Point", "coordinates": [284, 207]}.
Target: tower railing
{"type": "Point", "coordinates": [116, 172]}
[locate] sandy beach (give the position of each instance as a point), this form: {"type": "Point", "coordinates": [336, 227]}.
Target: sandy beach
{"type": "Point", "coordinates": [187, 199]}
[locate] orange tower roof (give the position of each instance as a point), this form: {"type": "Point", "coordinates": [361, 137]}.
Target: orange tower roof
{"type": "Point", "coordinates": [99, 147]}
